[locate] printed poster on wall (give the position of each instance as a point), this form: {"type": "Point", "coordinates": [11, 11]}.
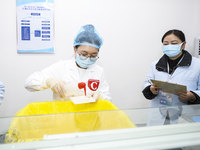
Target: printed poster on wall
{"type": "Point", "coordinates": [35, 26]}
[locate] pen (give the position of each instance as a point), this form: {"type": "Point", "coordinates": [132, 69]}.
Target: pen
{"type": "Point", "coordinates": [152, 84]}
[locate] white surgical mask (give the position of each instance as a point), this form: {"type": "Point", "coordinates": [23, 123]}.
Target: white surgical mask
{"type": "Point", "coordinates": [172, 50]}
{"type": "Point", "coordinates": [84, 63]}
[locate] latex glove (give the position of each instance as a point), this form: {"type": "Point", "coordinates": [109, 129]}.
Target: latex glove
{"type": "Point", "coordinates": [186, 96]}
{"type": "Point", "coordinates": [154, 89]}
{"type": "Point", "coordinates": [93, 94]}
{"type": "Point", "coordinates": [57, 86]}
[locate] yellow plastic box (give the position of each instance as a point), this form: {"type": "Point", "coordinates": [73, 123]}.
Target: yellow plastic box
{"type": "Point", "coordinates": [59, 117]}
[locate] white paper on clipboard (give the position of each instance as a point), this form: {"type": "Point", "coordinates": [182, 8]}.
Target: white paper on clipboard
{"type": "Point", "coordinates": [169, 87]}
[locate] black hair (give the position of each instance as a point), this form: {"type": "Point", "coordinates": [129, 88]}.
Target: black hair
{"type": "Point", "coordinates": [77, 46]}
{"type": "Point", "coordinates": [177, 33]}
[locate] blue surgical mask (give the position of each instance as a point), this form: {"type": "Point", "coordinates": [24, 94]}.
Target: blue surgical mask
{"type": "Point", "coordinates": [172, 50]}
{"type": "Point", "coordinates": [84, 63]}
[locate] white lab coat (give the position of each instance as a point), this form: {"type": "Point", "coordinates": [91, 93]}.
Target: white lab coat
{"type": "Point", "coordinates": [188, 75]}
{"type": "Point", "coordinates": [67, 70]}
{"type": "Point", "coordinates": [2, 91]}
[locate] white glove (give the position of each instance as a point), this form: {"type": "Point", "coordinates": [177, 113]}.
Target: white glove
{"type": "Point", "coordinates": [57, 86]}
{"type": "Point", "coordinates": [93, 94]}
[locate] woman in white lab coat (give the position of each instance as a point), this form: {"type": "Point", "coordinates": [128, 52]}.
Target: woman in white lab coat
{"type": "Point", "coordinates": [2, 91]}
{"type": "Point", "coordinates": [80, 68]}
{"type": "Point", "coordinates": [176, 66]}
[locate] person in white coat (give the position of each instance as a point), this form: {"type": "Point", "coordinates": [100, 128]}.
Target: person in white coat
{"type": "Point", "coordinates": [2, 91]}
{"type": "Point", "coordinates": [176, 66]}
{"type": "Point", "coordinates": [80, 68]}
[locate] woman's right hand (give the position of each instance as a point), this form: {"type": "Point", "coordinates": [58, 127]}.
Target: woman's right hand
{"type": "Point", "coordinates": [57, 86]}
{"type": "Point", "coordinates": [154, 89]}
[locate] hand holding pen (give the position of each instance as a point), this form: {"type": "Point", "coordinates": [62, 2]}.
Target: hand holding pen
{"type": "Point", "coordinates": [154, 89]}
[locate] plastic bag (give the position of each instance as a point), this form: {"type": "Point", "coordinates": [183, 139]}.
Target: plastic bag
{"type": "Point", "coordinates": [64, 117]}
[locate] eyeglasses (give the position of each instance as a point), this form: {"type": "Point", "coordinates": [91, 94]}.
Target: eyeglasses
{"type": "Point", "coordinates": [85, 56]}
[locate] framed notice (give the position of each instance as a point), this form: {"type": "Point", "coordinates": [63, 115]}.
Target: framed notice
{"type": "Point", "coordinates": [35, 29]}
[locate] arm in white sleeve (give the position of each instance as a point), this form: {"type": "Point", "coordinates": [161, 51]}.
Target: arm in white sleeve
{"type": "Point", "coordinates": [104, 89]}
{"type": "Point", "coordinates": [2, 91]}
{"type": "Point", "coordinates": [197, 91]}
{"type": "Point", "coordinates": [147, 84]}
{"type": "Point", "coordinates": [37, 81]}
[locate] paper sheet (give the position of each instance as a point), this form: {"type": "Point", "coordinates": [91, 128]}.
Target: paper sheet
{"type": "Point", "coordinates": [81, 99]}
{"type": "Point", "coordinates": [169, 87]}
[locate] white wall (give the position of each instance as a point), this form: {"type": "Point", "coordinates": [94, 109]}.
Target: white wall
{"type": "Point", "coordinates": [132, 31]}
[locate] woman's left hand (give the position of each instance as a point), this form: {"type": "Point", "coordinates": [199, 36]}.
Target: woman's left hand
{"type": "Point", "coordinates": [186, 96]}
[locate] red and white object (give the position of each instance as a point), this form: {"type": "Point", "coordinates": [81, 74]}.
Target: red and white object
{"type": "Point", "coordinates": [93, 84]}
{"type": "Point", "coordinates": [75, 89]}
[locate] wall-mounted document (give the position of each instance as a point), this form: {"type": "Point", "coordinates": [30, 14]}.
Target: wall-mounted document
{"type": "Point", "coordinates": [169, 87]}
{"type": "Point", "coordinates": [35, 26]}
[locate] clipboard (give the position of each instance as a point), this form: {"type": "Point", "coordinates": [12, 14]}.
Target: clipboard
{"type": "Point", "coordinates": [169, 87]}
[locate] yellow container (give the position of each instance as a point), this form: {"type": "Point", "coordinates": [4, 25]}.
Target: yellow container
{"type": "Point", "coordinates": [58, 117]}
